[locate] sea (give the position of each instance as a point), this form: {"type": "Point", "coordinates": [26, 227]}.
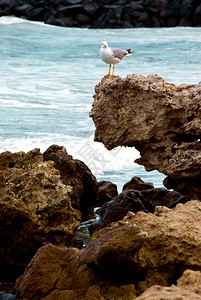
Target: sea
{"type": "Point", "coordinates": [47, 80]}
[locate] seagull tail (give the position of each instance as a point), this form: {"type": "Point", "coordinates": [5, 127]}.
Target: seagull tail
{"type": "Point", "coordinates": [129, 51]}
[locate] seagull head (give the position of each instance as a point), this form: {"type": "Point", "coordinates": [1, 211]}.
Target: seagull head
{"type": "Point", "coordinates": [104, 45]}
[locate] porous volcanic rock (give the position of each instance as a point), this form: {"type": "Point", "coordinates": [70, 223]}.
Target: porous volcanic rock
{"type": "Point", "coordinates": [149, 248]}
{"type": "Point", "coordinates": [188, 287]}
{"type": "Point", "coordinates": [161, 120]}
{"type": "Point", "coordinates": [126, 258]}
{"type": "Point", "coordinates": [39, 203]}
{"type": "Point", "coordinates": [134, 201]}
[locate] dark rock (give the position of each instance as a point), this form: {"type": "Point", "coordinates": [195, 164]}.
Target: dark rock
{"type": "Point", "coordinates": [77, 174]}
{"type": "Point", "coordinates": [99, 22]}
{"type": "Point", "coordinates": [136, 183]}
{"type": "Point", "coordinates": [70, 10]}
{"type": "Point", "coordinates": [106, 13]}
{"type": "Point", "coordinates": [152, 10]}
{"type": "Point", "coordinates": [23, 9]}
{"type": "Point", "coordinates": [137, 6]}
{"type": "Point", "coordinates": [39, 3]}
{"type": "Point", "coordinates": [82, 19]}
{"type": "Point", "coordinates": [107, 192]}
{"type": "Point", "coordinates": [72, 2]}
{"type": "Point", "coordinates": [197, 20]}
{"type": "Point", "coordinates": [170, 22]}
{"type": "Point", "coordinates": [134, 201]}
{"type": "Point", "coordinates": [155, 22]}
{"type": "Point", "coordinates": [91, 8]}
{"type": "Point", "coordinates": [36, 14]}
{"type": "Point", "coordinates": [184, 22]}
{"type": "Point", "coordinates": [90, 190]}
{"type": "Point", "coordinates": [116, 209]}
{"type": "Point", "coordinates": [198, 10]}
{"type": "Point", "coordinates": [8, 4]}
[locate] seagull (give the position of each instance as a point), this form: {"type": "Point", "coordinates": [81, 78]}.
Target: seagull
{"type": "Point", "coordinates": [112, 56]}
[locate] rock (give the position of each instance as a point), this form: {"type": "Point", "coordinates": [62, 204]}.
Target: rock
{"type": "Point", "coordinates": [150, 248]}
{"type": "Point", "coordinates": [134, 201]}
{"type": "Point", "coordinates": [91, 8]}
{"type": "Point", "coordinates": [42, 275]}
{"type": "Point", "coordinates": [37, 14]}
{"type": "Point", "coordinates": [82, 19]}
{"type": "Point", "coordinates": [71, 11]}
{"type": "Point", "coordinates": [184, 22]}
{"type": "Point", "coordinates": [106, 13]}
{"type": "Point", "coordinates": [23, 9]}
{"type": "Point", "coordinates": [41, 201]}
{"type": "Point", "coordinates": [107, 192]}
{"type": "Point", "coordinates": [76, 174]}
{"type": "Point", "coordinates": [136, 183]}
{"type": "Point", "coordinates": [161, 120]}
{"type": "Point", "coordinates": [188, 287]}
{"type": "Point", "coordinates": [123, 260]}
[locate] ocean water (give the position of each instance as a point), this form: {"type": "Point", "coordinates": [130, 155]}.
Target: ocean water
{"type": "Point", "coordinates": [47, 80]}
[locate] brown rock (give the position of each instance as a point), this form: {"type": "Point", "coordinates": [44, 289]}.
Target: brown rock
{"type": "Point", "coordinates": [188, 287]}
{"type": "Point", "coordinates": [41, 201]}
{"type": "Point", "coordinates": [140, 251]}
{"type": "Point", "coordinates": [150, 248]}
{"type": "Point", "coordinates": [107, 192]}
{"type": "Point", "coordinates": [76, 174]}
{"type": "Point", "coordinates": [136, 183]}
{"type": "Point", "coordinates": [35, 207]}
{"type": "Point", "coordinates": [161, 120]}
{"type": "Point", "coordinates": [43, 272]}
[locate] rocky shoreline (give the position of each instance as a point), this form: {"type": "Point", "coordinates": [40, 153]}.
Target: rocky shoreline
{"type": "Point", "coordinates": [147, 242]}
{"type": "Point", "coordinates": [106, 13]}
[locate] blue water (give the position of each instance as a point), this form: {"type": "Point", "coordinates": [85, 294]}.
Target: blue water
{"type": "Point", "coordinates": [47, 80]}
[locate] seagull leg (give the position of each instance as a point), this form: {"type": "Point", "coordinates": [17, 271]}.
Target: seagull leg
{"type": "Point", "coordinates": [113, 70]}
{"type": "Point", "coordinates": [109, 71]}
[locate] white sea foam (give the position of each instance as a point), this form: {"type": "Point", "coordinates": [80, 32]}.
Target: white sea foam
{"type": "Point", "coordinates": [8, 20]}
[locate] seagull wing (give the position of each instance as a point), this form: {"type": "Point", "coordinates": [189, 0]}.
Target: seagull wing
{"type": "Point", "coordinates": [120, 54]}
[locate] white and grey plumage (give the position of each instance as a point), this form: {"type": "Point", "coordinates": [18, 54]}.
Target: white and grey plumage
{"type": "Point", "coordinates": [112, 56]}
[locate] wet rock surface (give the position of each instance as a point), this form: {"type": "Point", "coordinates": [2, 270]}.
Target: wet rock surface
{"type": "Point", "coordinates": [159, 119]}
{"type": "Point", "coordinates": [106, 14]}
{"type": "Point", "coordinates": [142, 252]}
{"type": "Point", "coordinates": [41, 201]}
{"type": "Point", "coordinates": [134, 201]}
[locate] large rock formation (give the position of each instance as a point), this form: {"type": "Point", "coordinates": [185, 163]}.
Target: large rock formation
{"type": "Point", "coordinates": [40, 202]}
{"type": "Point", "coordinates": [161, 120]}
{"type": "Point", "coordinates": [123, 260]}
